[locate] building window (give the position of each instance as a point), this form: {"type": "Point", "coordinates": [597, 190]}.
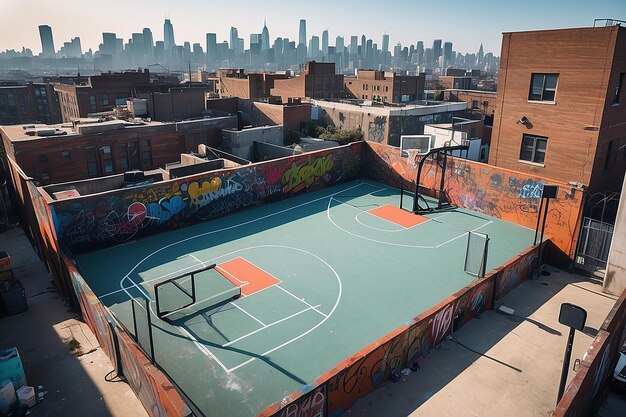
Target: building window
{"type": "Point", "coordinates": [107, 159]}
{"type": "Point", "coordinates": [123, 163]}
{"type": "Point", "coordinates": [618, 88]}
{"type": "Point", "coordinates": [43, 159]}
{"type": "Point", "coordinates": [108, 166]}
{"type": "Point", "coordinates": [607, 159]}
{"type": "Point", "coordinates": [543, 87]}
{"type": "Point", "coordinates": [105, 99]}
{"type": "Point", "coordinates": [66, 155]}
{"type": "Point", "coordinates": [45, 176]}
{"type": "Point", "coordinates": [533, 149]}
{"type": "Point", "coordinates": [92, 103]}
{"type": "Point", "coordinates": [474, 104]}
{"type": "Point", "coordinates": [92, 162]}
{"type": "Point", "coordinates": [146, 154]}
{"type": "Point", "coordinates": [123, 156]}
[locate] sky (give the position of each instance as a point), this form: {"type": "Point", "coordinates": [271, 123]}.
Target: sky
{"type": "Point", "coordinates": [466, 23]}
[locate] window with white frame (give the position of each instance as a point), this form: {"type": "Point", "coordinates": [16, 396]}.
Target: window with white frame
{"type": "Point", "coordinates": [533, 149]}
{"type": "Point", "coordinates": [543, 87]}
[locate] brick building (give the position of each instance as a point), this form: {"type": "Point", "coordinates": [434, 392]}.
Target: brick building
{"type": "Point", "coordinates": [479, 102]}
{"type": "Point", "coordinates": [317, 81]}
{"type": "Point", "coordinates": [256, 113]}
{"type": "Point", "coordinates": [453, 82]}
{"type": "Point", "coordinates": [385, 124]}
{"type": "Point", "coordinates": [247, 85]}
{"type": "Point", "coordinates": [561, 109]}
{"type": "Point", "coordinates": [30, 103]}
{"type": "Point", "coordinates": [57, 153]}
{"type": "Point", "coordinates": [384, 86]}
{"type": "Point", "coordinates": [101, 93]}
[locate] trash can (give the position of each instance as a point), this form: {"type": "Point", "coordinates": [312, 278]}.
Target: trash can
{"type": "Point", "coordinates": [13, 296]}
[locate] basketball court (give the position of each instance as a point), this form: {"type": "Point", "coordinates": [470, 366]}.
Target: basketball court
{"type": "Point", "coordinates": [242, 310]}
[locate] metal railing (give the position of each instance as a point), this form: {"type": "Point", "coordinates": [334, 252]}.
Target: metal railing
{"type": "Point", "coordinates": [608, 22]}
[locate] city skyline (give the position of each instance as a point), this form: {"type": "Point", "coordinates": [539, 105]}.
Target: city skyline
{"type": "Point", "coordinates": [456, 27]}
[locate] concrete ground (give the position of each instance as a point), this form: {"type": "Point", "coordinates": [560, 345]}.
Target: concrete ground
{"type": "Point", "coordinates": [71, 373]}
{"type": "Point", "coordinates": [499, 365]}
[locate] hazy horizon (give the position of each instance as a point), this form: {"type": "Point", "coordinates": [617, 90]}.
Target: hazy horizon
{"type": "Point", "coordinates": [466, 24]}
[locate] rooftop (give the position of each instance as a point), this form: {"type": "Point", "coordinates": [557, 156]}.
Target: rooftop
{"type": "Point", "coordinates": [86, 126]}
{"type": "Point", "coordinates": [413, 109]}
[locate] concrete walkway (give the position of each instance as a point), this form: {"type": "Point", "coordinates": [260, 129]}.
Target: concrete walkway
{"type": "Point", "coordinates": [499, 365]}
{"type": "Point", "coordinates": [71, 372]}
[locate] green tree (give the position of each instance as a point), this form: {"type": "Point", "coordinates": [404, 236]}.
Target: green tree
{"type": "Point", "coordinates": [340, 135]}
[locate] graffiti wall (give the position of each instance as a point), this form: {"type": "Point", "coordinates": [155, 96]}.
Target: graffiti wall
{"type": "Point", "coordinates": [582, 394]}
{"type": "Point", "coordinates": [371, 367]}
{"type": "Point", "coordinates": [510, 276]}
{"type": "Point", "coordinates": [154, 390]}
{"type": "Point", "coordinates": [505, 194]}
{"type": "Point", "coordinates": [121, 215]}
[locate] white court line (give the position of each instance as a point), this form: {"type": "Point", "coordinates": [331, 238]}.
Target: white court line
{"type": "Point", "coordinates": [464, 234]}
{"type": "Point", "coordinates": [402, 228]}
{"type": "Point", "coordinates": [356, 217]}
{"type": "Point", "coordinates": [367, 238]}
{"type": "Point", "coordinates": [202, 348]}
{"type": "Point", "coordinates": [391, 243]}
{"type": "Point", "coordinates": [302, 301]}
{"type": "Point", "coordinates": [162, 277]}
{"type": "Point", "coordinates": [269, 325]}
{"type": "Point", "coordinates": [196, 258]}
{"type": "Point", "coordinates": [241, 224]}
{"type": "Point", "coordinates": [222, 270]}
{"type": "Point", "coordinates": [236, 306]}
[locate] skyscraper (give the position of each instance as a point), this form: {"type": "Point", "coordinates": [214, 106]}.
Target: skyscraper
{"type": "Point", "coordinates": [385, 47]}
{"type": "Point", "coordinates": [148, 42]}
{"type": "Point", "coordinates": [436, 49]}
{"type": "Point", "coordinates": [481, 55]}
{"type": "Point", "coordinates": [447, 53]}
{"type": "Point", "coordinates": [265, 37]}
{"type": "Point", "coordinates": [302, 33]}
{"type": "Point", "coordinates": [47, 43]}
{"type": "Point", "coordinates": [339, 45]}
{"type": "Point", "coordinates": [314, 46]}
{"type": "Point", "coordinates": [234, 34]}
{"type": "Point", "coordinates": [325, 42]}
{"type": "Point", "coordinates": [168, 35]}
{"type": "Point", "coordinates": [108, 43]}
{"type": "Point", "coordinates": [211, 47]}
{"type": "Point", "coordinates": [138, 48]}
{"type": "Point", "coordinates": [354, 45]}
{"type": "Point", "coordinates": [419, 49]}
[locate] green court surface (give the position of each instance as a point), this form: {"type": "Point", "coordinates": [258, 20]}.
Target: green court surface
{"type": "Point", "coordinates": [343, 278]}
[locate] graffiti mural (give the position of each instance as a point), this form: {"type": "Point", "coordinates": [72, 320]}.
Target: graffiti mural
{"type": "Point", "coordinates": [404, 347]}
{"type": "Point", "coordinates": [121, 215]}
{"type": "Point", "coordinates": [312, 405]}
{"type": "Point", "coordinates": [505, 194]}
{"type": "Point", "coordinates": [298, 177]}
{"type": "Point", "coordinates": [519, 271]}
{"type": "Point", "coordinates": [585, 390]}
{"type": "Point", "coordinates": [376, 129]}
{"type": "Point", "coordinates": [153, 389]}
{"type": "Point", "coordinates": [92, 310]}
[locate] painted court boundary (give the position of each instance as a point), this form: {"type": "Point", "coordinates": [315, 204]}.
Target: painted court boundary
{"type": "Point", "coordinates": [205, 350]}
